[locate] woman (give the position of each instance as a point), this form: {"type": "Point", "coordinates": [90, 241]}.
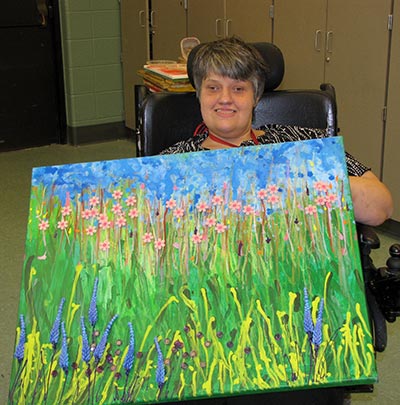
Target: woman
{"type": "Point", "coordinates": [229, 77]}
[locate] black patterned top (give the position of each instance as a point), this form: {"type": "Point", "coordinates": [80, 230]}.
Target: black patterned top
{"type": "Point", "coordinates": [272, 134]}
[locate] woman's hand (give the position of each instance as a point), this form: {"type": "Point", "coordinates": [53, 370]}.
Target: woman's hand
{"type": "Point", "coordinates": [372, 200]}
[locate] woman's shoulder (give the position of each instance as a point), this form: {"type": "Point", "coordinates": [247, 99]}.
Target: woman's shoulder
{"type": "Point", "coordinates": [192, 144]}
{"type": "Point", "coordinates": [287, 133]}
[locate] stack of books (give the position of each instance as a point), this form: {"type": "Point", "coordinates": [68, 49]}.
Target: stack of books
{"type": "Point", "coordinates": [170, 77]}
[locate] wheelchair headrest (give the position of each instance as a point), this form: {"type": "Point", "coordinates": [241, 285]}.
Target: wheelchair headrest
{"type": "Point", "coordinates": [272, 56]}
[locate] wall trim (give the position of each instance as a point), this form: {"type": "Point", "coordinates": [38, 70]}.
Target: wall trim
{"type": "Point", "coordinates": [98, 133]}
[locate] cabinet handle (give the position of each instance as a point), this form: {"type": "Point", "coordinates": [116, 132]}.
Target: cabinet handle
{"type": "Point", "coordinates": [152, 19]}
{"type": "Point", "coordinates": [329, 41]}
{"type": "Point", "coordinates": [218, 28]}
{"type": "Point", "coordinates": [228, 24]}
{"type": "Point", "coordinates": [141, 19]}
{"type": "Point", "coordinates": [317, 40]}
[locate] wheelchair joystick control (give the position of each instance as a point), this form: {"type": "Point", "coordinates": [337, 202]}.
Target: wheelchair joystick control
{"type": "Point", "coordinates": [385, 285]}
{"type": "Point", "coordinates": [393, 263]}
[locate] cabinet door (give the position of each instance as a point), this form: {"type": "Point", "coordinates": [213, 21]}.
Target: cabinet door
{"type": "Point", "coordinates": [356, 64]}
{"type": "Point", "coordinates": [253, 26]}
{"type": "Point", "coordinates": [299, 31]}
{"type": "Point", "coordinates": [135, 50]}
{"type": "Point", "coordinates": [206, 19]}
{"type": "Point", "coordinates": [392, 134]}
{"type": "Point", "coordinates": [168, 28]}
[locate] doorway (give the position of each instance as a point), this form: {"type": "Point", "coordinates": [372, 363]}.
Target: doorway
{"type": "Point", "coordinates": [32, 107]}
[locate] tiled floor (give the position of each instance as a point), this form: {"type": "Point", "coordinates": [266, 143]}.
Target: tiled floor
{"type": "Point", "coordinates": [15, 169]}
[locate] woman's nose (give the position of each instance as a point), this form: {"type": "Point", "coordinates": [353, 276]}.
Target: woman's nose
{"type": "Point", "coordinates": [226, 96]}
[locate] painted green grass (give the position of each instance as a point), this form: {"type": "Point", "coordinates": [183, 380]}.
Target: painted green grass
{"type": "Point", "coordinates": [210, 298]}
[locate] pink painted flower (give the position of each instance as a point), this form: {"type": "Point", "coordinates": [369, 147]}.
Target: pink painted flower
{"type": "Point", "coordinates": [106, 224]}
{"type": "Point", "coordinates": [310, 209]}
{"type": "Point", "coordinates": [120, 222]}
{"type": "Point", "coordinates": [235, 205]}
{"type": "Point", "coordinates": [221, 228]}
{"type": "Point", "coordinates": [197, 238]}
{"type": "Point", "coordinates": [273, 199]}
{"type": "Point", "coordinates": [210, 221]}
{"type": "Point", "coordinates": [217, 200]}
{"type": "Point", "coordinates": [117, 194]}
{"type": "Point", "coordinates": [65, 211]}
{"type": "Point", "coordinates": [90, 230]}
{"type": "Point", "coordinates": [44, 225]}
{"type": "Point", "coordinates": [176, 245]}
{"type": "Point", "coordinates": [248, 210]}
{"type": "Point", "coordinates": [117, 209]}
{"type": "Point", "coordinates": [105, 245]}
{"type": "Point", "coordinates": [142, 186]}
{"type": "Point", "coordinates": [272, 188]}
{"type": "Point", "coordinates": [94, 201]}
{"type": "Point", "coordinates": [103, 217]}
{"type": "Point", "coordinates": [159, 244]}
{"type": "Point", "coordinates": [330, 198]}
{"type": "Point", "coordinates": [320, 200]}
{"type": "Point", "coordinates": [94, 212]}
{"type": "Point", "coordinates": [178, 212]}
{"type": "Point", "coordinates": [86, 214]}
{"type": "Point", "coordinates": [262, 193]}
{"type": "Point", "coordinates": [63, 224]}
{"type": "Point", "coordinates": [131, 201]}
{"type": "Point", "coordinates": [321, 186]}
{"type": "Point", "coordinates": [147, 237]}
{"type": "Point", "coordinates": [202, 206]}
{"type": "Point", "coordinates": [170, 204]}
{"type": "Point", "coordinates": [133, 213]}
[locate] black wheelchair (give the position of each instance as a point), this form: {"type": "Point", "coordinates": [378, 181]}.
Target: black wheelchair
{"type": "Point", "coordinates": [166, 118]}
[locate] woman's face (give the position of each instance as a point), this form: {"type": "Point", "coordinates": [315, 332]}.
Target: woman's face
{"type": "Point", "coordinates": [227, 105]}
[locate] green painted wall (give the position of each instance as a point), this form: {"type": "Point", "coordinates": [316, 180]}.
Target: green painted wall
{"type": "Point", "coordinates": [91, 41]}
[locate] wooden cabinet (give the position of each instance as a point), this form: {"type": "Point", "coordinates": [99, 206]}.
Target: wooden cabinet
{"type": "Point", "coordinates": [167, 28]}
{"type": "Point", "coordinates": [391, 152]}
{"type": "Point", "coordinates": [135, 50]}
{"type": "Point", "coordinates": [250, 20]}
{"type": "Point", "coordinates": [206, 19]}
{"type": "Point", "coordinates": [148, 34]}
{"type": "Point", "coordinates": [344, 43]}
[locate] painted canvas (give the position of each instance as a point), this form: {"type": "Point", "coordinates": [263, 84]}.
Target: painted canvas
{"type": "Point", "coordinates": [215, 273]}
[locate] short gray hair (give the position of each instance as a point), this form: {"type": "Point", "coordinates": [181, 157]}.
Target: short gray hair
{"type": "Point", "coordinates": [230, 57]}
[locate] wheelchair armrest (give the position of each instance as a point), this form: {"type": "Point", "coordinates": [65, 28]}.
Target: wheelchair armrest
{"type": "Point", "coordinates": [367, 238]}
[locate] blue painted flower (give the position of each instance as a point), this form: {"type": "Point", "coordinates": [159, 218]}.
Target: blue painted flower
{"type": "Point", "coordinates": [160, 372]}
{"type": "Point", "coordinates": [93, 304]}
{"type": "Point", "coordinates": [99, 350]}
{"type": "Point", "coordinates": [128, 362]}
{"type": "Point", "coordinates": [308, 323]}
{"type": "Point", "coordinates": [85, 342]}
{"type": "Point", "coordinates": [64, 359]}
{"type": "Point", "coordinates": [20, 349]}
{"type": "Point", "coordinates": [55, 330]}
{"type": "Point", "coordinates": [317, 334]}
